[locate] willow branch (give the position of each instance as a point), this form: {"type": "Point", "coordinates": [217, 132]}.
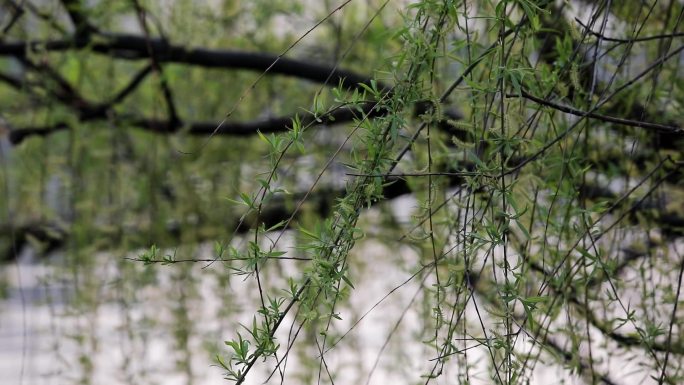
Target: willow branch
{"type": "Point", "coordinates": [604, 118]}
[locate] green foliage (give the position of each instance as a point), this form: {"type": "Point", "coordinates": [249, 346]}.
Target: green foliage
{"type": "Point", "coordinates": [525, 208]}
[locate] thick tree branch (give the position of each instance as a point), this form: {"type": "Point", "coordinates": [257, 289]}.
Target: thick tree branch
{"type": "Point", "coordinates": [132, 86]}
{"type": "Point", "coordinates": [163, 83]}
{"type": "Point", "coordinates": [65, 92]}
{"type": "Point", "coordinates": [49, 18]}
{"type": "Point", "coordinates": [75, 10]}
{"type": "Point", "coordinates": [18, 12]}
{"type": "Point", "coordinates": [12, 81]}
{"type": "Point", "coordinates": [132, 47]}
{"type": "Point", "coordinates": [277, 124]}
{"type": "Point", "coordinates": [338, 115]}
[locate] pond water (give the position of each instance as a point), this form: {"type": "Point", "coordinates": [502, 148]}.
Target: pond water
{"type": "Point", "coordinates": [56, 329]}
{"type": "Point", "coordinates": [119, 322]}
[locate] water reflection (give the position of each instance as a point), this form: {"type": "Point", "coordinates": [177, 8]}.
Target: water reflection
{"type": "Point", "coordinates": [120, 322]}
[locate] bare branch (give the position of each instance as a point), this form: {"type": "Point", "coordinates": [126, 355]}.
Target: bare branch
{"type": "Point", "coordinates": [75, 9]}
{"type": "Point", "coordinates": [131, 47]}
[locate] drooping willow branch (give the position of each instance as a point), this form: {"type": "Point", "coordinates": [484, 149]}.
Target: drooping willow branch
{"type": "Point", "coordinates": [604, 118]}
{"type": "Point", "coordinates": [626, 108]}
{"type": "Point", "coordinates": [635, 39]}
{"type": "Point", "coordinates": [572, 296]}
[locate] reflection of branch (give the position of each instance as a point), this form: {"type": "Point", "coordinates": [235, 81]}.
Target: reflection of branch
{"type": "Point", "coordinates": [53, 237]}
{"type": "Point", "coordinates": [621, 339]}
{"type": "Point", "coordinates": [49, 235]}
{"type": "Point", "coordinates": [549, 343]}
{"type": "Point", "coordinates": [131, 47]}
{"type": "Point", "coordinates": [276, 213]}
{"type": "Point", "coordinates": [273, 215]}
